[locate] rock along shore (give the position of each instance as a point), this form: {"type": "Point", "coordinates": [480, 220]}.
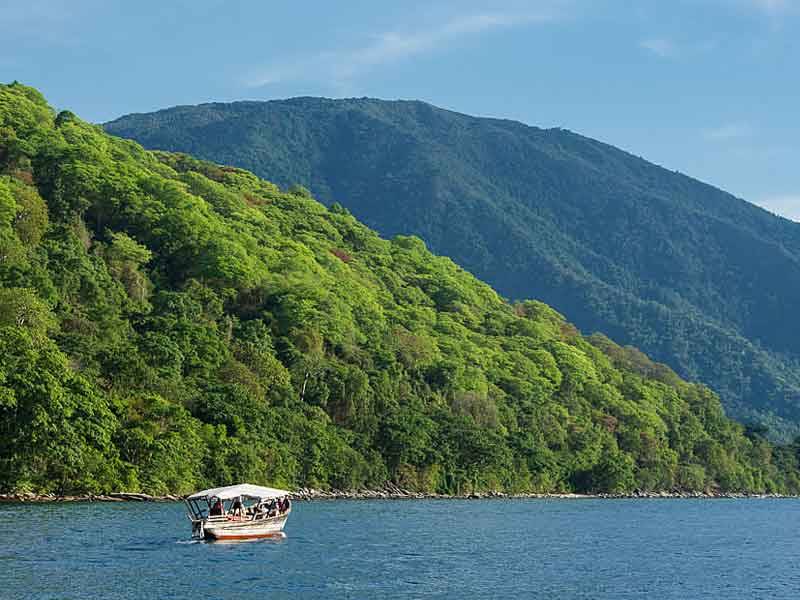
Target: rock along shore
{"type": "Point", "coordinates": [113, 497]}
{"type": "Point", "coordinates": [390, 492]}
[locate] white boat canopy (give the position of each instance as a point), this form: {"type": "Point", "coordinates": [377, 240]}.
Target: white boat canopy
{"type": "Point", "coordinates": [243, 489]}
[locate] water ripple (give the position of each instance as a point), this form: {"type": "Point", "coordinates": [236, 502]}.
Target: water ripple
{"type": "Point", "coordinates": [424, 549]}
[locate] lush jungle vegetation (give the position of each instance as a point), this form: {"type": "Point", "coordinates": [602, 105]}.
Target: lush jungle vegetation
{"type": "Point", "coordinates": [695, 277]}
{"type": "Point", "coordinates": [167, 323]}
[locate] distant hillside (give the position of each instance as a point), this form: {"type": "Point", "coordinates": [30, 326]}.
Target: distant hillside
{"type": "Point", "coordinates": [697, 278]}
{"type": "Point", "coordinates": [167, 324]}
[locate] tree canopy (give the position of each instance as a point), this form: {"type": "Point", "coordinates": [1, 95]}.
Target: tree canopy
{"type": "Point", "coordinates": [695, 277]}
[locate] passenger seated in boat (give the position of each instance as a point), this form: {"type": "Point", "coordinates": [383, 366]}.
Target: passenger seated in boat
{"type": "Point", "coordinates": [216, 509]}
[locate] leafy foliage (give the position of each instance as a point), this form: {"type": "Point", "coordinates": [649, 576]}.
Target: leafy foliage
{"type": "Point", "coordinates": [696, 278]}
{"type": "Point", "coordinates": [167, 323]}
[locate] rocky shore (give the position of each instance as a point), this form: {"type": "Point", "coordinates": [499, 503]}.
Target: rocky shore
{"type": "Point", "coordinates": [393, 492]}
{"type": "Point", "coordinates": [390, 492]}
{"type": "Point", "coordinates": [113, 497]}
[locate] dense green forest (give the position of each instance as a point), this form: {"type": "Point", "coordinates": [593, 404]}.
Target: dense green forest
{"type": "Point", "coordinates": [167, 324]}
{"type": "Point", "coordinates": [695, 277]}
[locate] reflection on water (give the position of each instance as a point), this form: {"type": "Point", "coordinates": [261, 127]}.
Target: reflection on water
{"type": "Point", "coordinates": [583, 549]}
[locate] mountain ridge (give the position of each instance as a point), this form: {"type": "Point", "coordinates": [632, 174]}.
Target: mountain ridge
{"type": "Point", "coordinates": [697, 277]}
{"type": "Point", "coordinates": [310, 99]}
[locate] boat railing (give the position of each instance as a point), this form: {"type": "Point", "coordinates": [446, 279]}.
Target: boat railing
{"type": "Point", "coordinates": [259, 516]}
{"type": "Point", "coordinates": [196, 514]}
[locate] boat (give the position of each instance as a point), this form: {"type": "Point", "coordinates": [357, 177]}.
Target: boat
{"type": "Point", "coordinates": [238, 512]}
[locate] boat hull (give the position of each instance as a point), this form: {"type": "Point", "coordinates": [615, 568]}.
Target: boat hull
{"type": "Point", "coordinates": [245, 530]}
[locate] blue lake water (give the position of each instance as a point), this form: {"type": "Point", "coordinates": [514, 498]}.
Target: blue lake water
{"type": "Point", "coordinates": [412, 549]}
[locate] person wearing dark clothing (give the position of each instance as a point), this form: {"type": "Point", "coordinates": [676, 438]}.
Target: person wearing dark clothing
{"type": "Point", "coordinates": [237, 507]}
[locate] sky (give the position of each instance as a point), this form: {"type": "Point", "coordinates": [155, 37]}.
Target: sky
{"type": "Point", "coordinates": [710, 88]}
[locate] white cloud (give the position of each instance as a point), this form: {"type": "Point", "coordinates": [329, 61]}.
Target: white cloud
{"type": "Point", "coordinates": [50, 21]}
{"type": "Point", "coordinates": [664, 47]}
{"type": "Point", "coordinates": [729, 131]}
{"type": "Point", "coordinates": [342, 66]}
{"type": "Point", "coordinates": [777, 12]}
{"type": "Point", "coordinates": [660, 47]}
{"type": "Point", "coordinates": [773, 7]}
{"type": "Point", "coordinates": [786, 205]}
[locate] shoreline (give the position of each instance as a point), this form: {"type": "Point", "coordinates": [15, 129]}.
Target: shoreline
{"type": "Point", "coordinates": [392, 492]}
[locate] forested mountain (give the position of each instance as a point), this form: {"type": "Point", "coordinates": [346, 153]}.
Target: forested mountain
{"type": "Point", "coordinates": [167, 324]}
{"type": "Point", "coordinates": [695, 277]}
